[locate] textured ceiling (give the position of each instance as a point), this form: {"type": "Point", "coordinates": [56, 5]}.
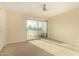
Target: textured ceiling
{"type": "Point", "coordinates": [35, 9]}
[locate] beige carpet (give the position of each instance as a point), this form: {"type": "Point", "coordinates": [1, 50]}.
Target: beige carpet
{"type": "Point", "coordinates": [23, 49]}
{"type": "Point", "coordinates": [58, 49]}
{"type": "Point", "coordinates": [41, 47]}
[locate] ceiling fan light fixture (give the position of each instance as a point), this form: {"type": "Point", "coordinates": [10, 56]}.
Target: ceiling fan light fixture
{"type": "Point", "coordinates": [44, 7]}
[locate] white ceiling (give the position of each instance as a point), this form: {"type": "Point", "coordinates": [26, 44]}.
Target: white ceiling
{"type": "Point", "coordinates": [35, 9]}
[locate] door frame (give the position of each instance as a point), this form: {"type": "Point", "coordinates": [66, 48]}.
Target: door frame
{"type": "Point", "coordinates": [36, 20]}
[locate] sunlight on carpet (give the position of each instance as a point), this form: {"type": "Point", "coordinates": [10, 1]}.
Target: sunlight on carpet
{"type": "Point", "coordinates": [53, 48]}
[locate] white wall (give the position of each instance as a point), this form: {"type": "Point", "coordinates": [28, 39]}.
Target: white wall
{"type": "Point", "coordinates": [65, 27]}
{"type": "Point", "coordinates": [15, 27]}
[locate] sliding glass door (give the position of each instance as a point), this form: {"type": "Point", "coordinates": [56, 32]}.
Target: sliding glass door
{"type": "Point", "coordinates": [36, 29]}
{"type": "Point", "coordinates": [42, 25]}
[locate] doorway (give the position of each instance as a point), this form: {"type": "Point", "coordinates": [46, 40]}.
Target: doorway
{"type": "Point", "coordinates": [36, 29]}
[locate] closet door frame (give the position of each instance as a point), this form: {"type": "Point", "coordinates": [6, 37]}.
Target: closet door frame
{"type": "Point", "coordinates": [2, 29]}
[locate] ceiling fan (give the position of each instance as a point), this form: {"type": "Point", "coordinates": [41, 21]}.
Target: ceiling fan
{"type": "Point", "coordinates": [44, 7]}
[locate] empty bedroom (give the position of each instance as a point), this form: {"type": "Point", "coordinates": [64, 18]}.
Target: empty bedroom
{"type": "Point", "coordinates": [39, 29]}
